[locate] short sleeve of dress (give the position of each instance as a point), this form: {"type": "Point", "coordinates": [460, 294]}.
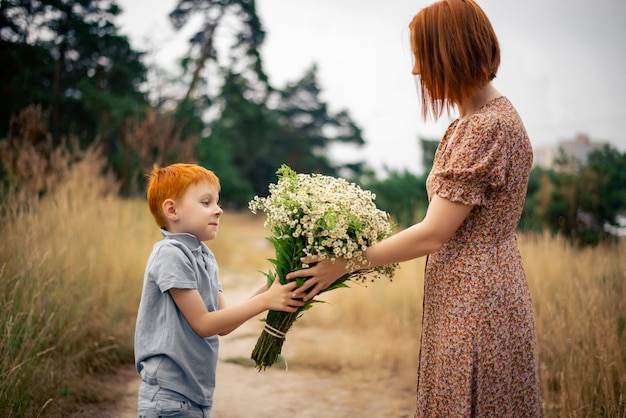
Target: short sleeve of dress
{"type": "Point", "coordinates": [472, 163]}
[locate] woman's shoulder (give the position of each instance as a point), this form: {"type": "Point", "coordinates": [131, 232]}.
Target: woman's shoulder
{"type": "Point", "coordinates": [496, 117]}
{"type": "Point", "coordinates": [498, 112]}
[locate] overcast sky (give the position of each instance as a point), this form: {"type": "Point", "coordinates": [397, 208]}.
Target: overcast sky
{"type": "Point", "coordinates": [563, 64]}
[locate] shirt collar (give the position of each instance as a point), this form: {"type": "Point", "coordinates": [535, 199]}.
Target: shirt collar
{"type": "Point", "coordinates": [190, 240]}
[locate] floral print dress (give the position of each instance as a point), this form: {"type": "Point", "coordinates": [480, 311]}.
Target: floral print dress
{"type": "Point", "coordinates": [478, 343]}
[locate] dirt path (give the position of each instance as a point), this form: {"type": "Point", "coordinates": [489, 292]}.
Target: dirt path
{"type": "Point", "coordinates": [242, 392]}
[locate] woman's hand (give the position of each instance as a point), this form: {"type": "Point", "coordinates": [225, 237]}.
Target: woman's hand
{"type": "Point", "coordinates": [320, 275]}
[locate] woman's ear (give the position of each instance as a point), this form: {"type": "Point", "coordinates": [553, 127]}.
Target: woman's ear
{"type": "Point", "coordinates": [169, 210]}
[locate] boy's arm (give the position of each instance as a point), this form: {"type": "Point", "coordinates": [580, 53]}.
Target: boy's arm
{"type": "Point", "coordinates": [222, 305]}
{"type": "Point", "coordinates": [260, 290]}
{"type": "Point", "coordinates": [204, 323]}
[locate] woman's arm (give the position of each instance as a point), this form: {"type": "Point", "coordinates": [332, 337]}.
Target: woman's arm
{"type": "Point", "coordinates": [442, 220]}
{"type": "Point", "coordinates": [278, 298]}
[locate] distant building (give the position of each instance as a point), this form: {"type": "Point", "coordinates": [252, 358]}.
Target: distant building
{"type": "Point", "coordinates": [544, 157]}
{"type": "Point", "coordinates": [579, 148]}
{"type": "Point", "coordinates": [572, 151]}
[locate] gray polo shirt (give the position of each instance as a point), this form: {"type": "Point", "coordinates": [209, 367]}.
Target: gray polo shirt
{"type": "Point", "coordinates": [168, 352]}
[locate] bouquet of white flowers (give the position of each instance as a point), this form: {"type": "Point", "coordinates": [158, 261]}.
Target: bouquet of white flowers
{"type": "Point", "coordinates": [312, 214]}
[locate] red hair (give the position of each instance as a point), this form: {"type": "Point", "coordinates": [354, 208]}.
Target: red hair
{"type": "Point", "coordinates": [456, 53]}
{"type": "Point", "coordinates": [171, 182]}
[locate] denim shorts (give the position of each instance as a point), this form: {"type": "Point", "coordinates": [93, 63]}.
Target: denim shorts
{"type": "Point", "coordinates": [157, 402]}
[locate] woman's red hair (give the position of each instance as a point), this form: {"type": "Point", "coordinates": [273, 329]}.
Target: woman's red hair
{"type": "Point", "coordinates": [171, 182]}
{"type": "Point", "coordinates": [456, 53]}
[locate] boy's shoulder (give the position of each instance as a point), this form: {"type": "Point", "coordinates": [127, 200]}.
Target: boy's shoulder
{"type": "Point", "coordinates": [171, 264]}
{"type": "Point", "coordinates": [171, 248]}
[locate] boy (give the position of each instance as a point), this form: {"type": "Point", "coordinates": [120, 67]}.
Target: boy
{"type": "Point", "coordinates": [182, 310]}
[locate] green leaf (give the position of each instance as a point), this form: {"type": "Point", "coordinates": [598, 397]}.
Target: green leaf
{"type": "Point", "coordinates": [270, 278]}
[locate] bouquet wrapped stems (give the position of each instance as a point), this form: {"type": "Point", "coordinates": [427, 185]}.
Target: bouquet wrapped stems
{"type": "Point", "coordinates": [270, 344]}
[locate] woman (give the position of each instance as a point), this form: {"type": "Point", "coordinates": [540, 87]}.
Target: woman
{"type": "Point", "coordinates": [478, 344]}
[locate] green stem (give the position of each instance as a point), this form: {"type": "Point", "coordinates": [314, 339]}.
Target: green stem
{"type": "Point", "coordinates": [268, 347]}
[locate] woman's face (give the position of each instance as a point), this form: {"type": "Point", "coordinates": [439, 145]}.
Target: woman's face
{"type": "Point", "coordinates": [416, 67]}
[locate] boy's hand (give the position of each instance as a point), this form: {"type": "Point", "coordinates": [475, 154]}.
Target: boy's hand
{"type": "Point", "coordinates": [282, 297]}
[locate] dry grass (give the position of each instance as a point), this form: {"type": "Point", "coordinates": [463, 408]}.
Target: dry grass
{"type": "Point", "coordinates": [580, 306]}
{"type": "Point", "coordinates": [71, 267]}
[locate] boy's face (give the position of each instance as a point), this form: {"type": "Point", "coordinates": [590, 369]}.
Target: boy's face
{"type": "Point", "coordinates": [197, 212]}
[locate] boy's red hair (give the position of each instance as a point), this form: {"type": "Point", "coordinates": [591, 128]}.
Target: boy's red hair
{"type": "Point", "coordinates": [171, 182]}
{"type": "Point", "coordinates": [456, 53]}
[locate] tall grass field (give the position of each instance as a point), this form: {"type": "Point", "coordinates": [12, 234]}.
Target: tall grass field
{"type": "Point", "coordinates": [71, 269]}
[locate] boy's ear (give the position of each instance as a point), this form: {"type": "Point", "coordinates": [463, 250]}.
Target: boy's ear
{"type": "Point", "coordinates": [169, 210]}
